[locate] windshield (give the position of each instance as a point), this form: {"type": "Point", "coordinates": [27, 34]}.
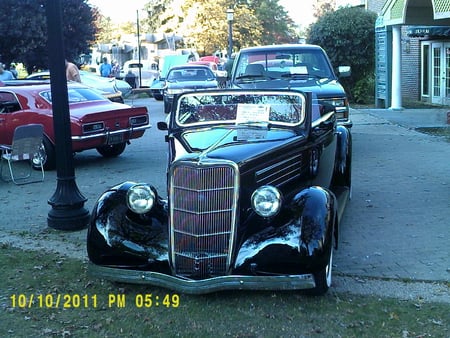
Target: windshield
{"type": "Point", "coordinates": [76, 95]}
{"type": "Point", "coordinates": [269, 65]}
{"type": "Point", "coordinates": [241, 108]}
{"type": "Point", "coordinates": [190, 74]}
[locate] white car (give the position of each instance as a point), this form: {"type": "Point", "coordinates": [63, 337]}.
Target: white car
{"type": "Point", "coordinates": [148, 71]}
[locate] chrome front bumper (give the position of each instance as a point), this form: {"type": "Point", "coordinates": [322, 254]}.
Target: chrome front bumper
{"type": "Point", "coordinates": [230, 282]}
{"type": "Point", "coordinates": [107, 133]}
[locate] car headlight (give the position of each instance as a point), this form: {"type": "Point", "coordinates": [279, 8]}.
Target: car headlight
{"type": "Point", "coordinates": [266, 201]}
{"type": "Point", "coordinates": [140, 198]}
{"type": "Point", "coordinates": [340, 105]}
{"type": "Point", "coordinates": [175, 91]}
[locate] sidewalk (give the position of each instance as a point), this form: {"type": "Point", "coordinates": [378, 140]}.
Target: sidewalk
{"type": "Point", "coordinates": [411, 118]}
{"type": "Point", "coordinates": [397, 224]}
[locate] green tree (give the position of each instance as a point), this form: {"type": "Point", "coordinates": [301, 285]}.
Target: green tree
{"type": "Point", "coordinates": [24, 31]}
{"type": "Point", "coordinates": [320, 7]}
{"type": "Point", "coordinates": [159, 13]}
{"type": "Point", "coordinates": [348, 36]}
{"type": "Point", "coordinates": [276, 24]}
{"type": "Point", "coordinates": [204, 26]}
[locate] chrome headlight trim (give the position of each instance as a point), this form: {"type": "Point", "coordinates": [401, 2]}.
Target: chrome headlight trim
{"type": "Point", "coordinates": [140, 198]}
{"type": "Point", "coordinates": [266, 201]}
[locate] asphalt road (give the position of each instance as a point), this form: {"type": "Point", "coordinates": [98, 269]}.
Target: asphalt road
{"type": "Point", "coordinates": [395, 227]}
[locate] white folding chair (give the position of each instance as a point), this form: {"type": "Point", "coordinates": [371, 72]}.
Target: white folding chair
{"type": "Point", "coordinates": [25, 147]}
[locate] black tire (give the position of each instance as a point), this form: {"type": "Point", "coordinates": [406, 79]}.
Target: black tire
{"type": "Point", "coordinates": [322, 278]}
{"type": "Point", "coordinates": [167, 107]}
{"type": "Point", "coordinates": [46, 155]}
{"type": "Point", "coordinates": [112, 150]}
{"type": "Point", "coordinates": [157, 95]}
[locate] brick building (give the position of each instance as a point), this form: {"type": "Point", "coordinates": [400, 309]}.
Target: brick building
{"type": "Point", "coordinates": [412, 51]}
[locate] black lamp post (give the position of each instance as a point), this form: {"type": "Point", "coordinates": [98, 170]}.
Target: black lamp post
{"type": "Point", "coordinates": [139, 48]}
{"type": "Point", "coordinates": [230, 14]}
{"type": "Point", "coordinates": [68, 212]}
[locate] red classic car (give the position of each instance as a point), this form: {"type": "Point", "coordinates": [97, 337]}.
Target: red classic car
{"type": "Point", "coordinates": [96, 123]}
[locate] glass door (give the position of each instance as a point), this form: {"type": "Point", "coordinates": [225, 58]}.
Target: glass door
{"type": "Point", "coordinates": [440, 73]}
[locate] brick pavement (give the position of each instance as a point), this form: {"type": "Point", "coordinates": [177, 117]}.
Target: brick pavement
{"type": "Point", "coordinates": [397, 223]}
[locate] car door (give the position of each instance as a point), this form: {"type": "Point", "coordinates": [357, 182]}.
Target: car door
{"type": "Point", "coordinates": [9, 119]}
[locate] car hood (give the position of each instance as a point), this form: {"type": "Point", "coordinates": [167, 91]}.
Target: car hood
{"type": "Point", "coordinates": [321, 87]}
{"type": "Point", "coordinates": [237, 144]}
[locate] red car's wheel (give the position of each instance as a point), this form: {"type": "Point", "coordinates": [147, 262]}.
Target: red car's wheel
{"type": "Point", "coordinates": [46, 155]}
{"type": "Point", "coordinates": [112, 150]}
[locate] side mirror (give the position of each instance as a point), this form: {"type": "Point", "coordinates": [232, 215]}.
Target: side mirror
{"type": "Point", "coordinates": [344, 71]}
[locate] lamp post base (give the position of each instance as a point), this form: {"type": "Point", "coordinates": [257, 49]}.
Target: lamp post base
{"type": "Point", "coordinates": [68, 212]}
{"type": "Point", "coordinates": [68, 219]}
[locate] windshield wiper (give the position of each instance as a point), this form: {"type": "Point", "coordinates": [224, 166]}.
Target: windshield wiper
{"type": "Point", "coordinates": [303, 76]}
{"type": "Point", "coordinates": [255, 124]}
{"type": "Point", "coordinates": [249, 76]}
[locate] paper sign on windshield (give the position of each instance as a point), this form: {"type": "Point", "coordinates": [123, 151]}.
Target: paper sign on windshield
{"type": "Point", "coordinates": [299, 70]}
{"type": "Point", "coordinates": [252, 113]}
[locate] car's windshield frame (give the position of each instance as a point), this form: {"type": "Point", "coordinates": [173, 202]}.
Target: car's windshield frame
{"type": "Point", "coordinates": [235, 107]}
{"type": "Point", "coordinates": [264, 65]}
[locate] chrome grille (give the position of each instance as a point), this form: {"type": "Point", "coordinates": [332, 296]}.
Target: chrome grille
{"type": "Point", "coordinates": [203, 212]}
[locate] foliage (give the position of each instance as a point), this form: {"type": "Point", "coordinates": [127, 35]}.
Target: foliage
{"type": "Point", "coordinates": [276, 25]}
{"type": "Point", "coordinates": [320, 7]}
{"type": "Point", "coordinates": [24, 31]}
{"type": "Point", "coordinates": [204, 26]}
{"type": "Point", "coordinates": [347, 35]}
{"type": "Point", "coordinates": [364, 90]}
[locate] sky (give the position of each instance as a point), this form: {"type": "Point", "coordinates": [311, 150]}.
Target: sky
{"type": "Point", "coordinates": [300, 11]}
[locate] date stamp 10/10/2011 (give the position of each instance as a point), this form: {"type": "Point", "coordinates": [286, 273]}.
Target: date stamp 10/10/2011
{"type": "Point", "coordinates": [85, 301]}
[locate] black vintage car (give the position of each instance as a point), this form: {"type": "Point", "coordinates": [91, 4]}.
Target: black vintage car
{"type": "Point", "coordinates": [257, 184]}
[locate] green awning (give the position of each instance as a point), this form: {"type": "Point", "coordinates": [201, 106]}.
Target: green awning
{"type": "Point", "coordinates": [428, 31]}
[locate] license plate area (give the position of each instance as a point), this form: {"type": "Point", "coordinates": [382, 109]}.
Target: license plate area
{"type": "Point", "coordinates": [114, 139]}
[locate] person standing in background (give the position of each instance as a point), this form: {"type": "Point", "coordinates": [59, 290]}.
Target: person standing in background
{"type": "Point", "coordinates": [13, 70]}
{"type": "Point", "coordinates": [72, 72]}
{"type": "Point", "coordinates": [105, 68]}
{"type": "Point", "coordinates": [5, 74]}
{"type": "Point", "coordinates": [115, 71]}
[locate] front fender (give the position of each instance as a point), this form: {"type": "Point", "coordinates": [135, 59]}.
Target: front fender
{"type": "Point", "coordinates": [343, 160]}
{"type": "Point", "coordinates": [305, 242]}
{"type": "Point", "coordinates": [119, 237]}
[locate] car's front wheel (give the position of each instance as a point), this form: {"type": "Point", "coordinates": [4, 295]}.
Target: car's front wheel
{"type": "Point", "coordinates": [157, 95]}
{"type": "Point", "coordinates": [322, 278]}
{"type": "Point", "coordinates": [167, 107]}
{"type": "Point", "coordinates": [112, 150]}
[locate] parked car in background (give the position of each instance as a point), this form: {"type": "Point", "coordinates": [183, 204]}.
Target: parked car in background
{"type": "Point", "coordinates": [165, 63]}
{"type": "Point", "coordinates": [148, 71]}
{"type": "Point", "coordinates": [257, 184]}
{"type": "Point", "coordinates": [221, 75]}
{"type": "Point", "coordinates": [187, 77]}
{"type": "Point", "coordinates": [111, 88]}
{"type": "Point", "coordinates": [96, 123]}
{"type": "Point", "coordinates": [296, 66]}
